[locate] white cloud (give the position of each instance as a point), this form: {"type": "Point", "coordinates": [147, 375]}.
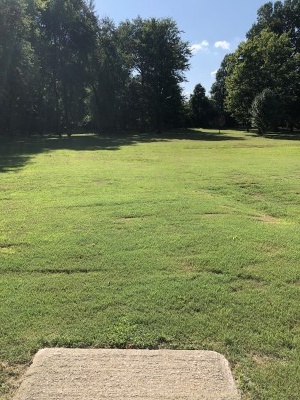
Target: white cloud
{"type": "Point", "coordinates": [195, 48]}
{"type": "Point", "coordinates": [223, 44]}
{"type": "Point", "coordinates": [213, 73]}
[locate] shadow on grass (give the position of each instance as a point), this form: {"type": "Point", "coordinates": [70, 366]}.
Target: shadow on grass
{"type": "Point", "coordinates": [279, 135]}
{"type": "Point", "coordinates": [15, 153]}
{"type": "Point", "coordinates": [283, 135]}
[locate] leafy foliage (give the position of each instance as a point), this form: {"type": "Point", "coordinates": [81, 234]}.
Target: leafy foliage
{"type": "Point", "coordinates": [200, 106]}
{"type": "Point", "coordinates": [63, 68]}
{"type": "Point", "coordinates": [265, 61]}
{"type": "Point", "coordinates": [157, 60]}
{"type": "Point", "coordinates": [279, 17]}
{"type": "Point", "coordinates": [265, 111]}
{"type": "Point", "coordinates": [270, 58]}
{"type": "Point", "coordinates": [19, 66]}
{"type": "Point", "coordinates": [219, 92]}
{"type": "Point", "coordinates": [68, 30]}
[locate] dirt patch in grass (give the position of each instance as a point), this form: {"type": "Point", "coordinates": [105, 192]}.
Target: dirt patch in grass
{"type": "Point", "coordinates": [270, 248]}
{"type": "Point", "coordinates": [10, 379]}
{"type": "Point", "coordinates": [247, 285]}
{"type": "Point", "coordinates": [188, 266]}
{"type": "Point", "coordinates": [296, 283]}
{"type": "Point", "coordinates": [247, 282]}
{"type": "Point", "coordinates": [264, 360]}
{"type": "Point", "coordinates": [267, 219]}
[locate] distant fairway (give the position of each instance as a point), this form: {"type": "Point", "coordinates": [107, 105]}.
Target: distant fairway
{"type": "Point", "coordinates": [186, 240]}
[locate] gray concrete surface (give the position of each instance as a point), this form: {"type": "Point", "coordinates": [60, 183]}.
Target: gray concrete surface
{"type": "Point", "coordinates": [86, 374]}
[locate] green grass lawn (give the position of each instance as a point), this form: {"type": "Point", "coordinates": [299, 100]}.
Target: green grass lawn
{"type": "Point", "coordinates": [184, 240]}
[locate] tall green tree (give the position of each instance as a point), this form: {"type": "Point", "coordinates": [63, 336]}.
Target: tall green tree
{"type": "Point", "coordinates": [109, 74]}
{"type": "Point", "coordinates": [200, 107]}
{"type": "Point", "coordinates": [68, 30]}
{"type": "Point", "coordinates": [265, 61]}
{"type": "Point", "coordinates": [283, 17]}
{"type": "Point", "coordinates": [218, 90]}
{"type": "Point", "coordinates": [279, 17]}
{"type": "Point", "coordinates": [265, 111]}
{"type": "Point", "coordinates": [158, 56]}
{"type": "Point", "coordinates": [19, 70]}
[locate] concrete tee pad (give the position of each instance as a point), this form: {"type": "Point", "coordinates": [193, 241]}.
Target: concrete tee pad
{"type": "Point", "coordinates": [85, 374]}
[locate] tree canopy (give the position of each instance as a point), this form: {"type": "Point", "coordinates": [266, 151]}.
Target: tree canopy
{"type": "Point", "coordinates": [63, 69]}
{"type": "Point", "coordinates": [157, 58]}
{"type": "Point", "coordinates": [268, 59]}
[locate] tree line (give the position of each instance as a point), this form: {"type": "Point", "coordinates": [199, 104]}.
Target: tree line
{"type": "Point", "coordinates": [259, 84]}
{"type": "Point", "coordinates": [63, 70]}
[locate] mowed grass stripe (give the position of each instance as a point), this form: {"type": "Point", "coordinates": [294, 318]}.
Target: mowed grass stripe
{"type": "Point", "coordinates": [188, 240]}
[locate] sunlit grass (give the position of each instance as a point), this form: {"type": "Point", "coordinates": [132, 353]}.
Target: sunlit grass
{"type": "Point", "coordinates": [187, 240]}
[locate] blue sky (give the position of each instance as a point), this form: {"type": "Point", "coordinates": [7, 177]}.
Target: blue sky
{"type": "Point", "coordinates": [212, 27]}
